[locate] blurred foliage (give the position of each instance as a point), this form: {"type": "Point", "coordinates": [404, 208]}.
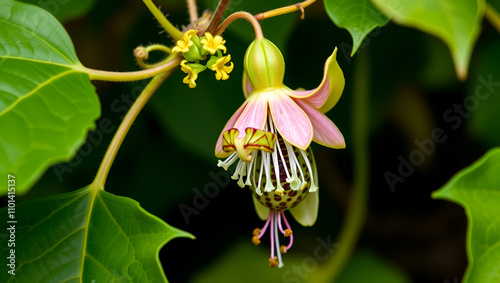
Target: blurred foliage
{"type": "Point", "coordinates": [64, 10]}
{"type": "Point", "coordinates": [495, 4]}
{"type": "Point", "coordinates": [456, 22]}
{"type": "Point", "coordinates": [482, 97]}
{"type": "Point", "coordinates": [244, 258]}
{"type": "Point", "coordinates": [167, 162]}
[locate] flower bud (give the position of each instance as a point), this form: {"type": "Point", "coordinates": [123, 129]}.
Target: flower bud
{"type": "Point", "coordinates": [264, 64]}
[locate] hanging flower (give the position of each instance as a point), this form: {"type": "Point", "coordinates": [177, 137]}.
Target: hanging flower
{"type": "Point", "coordinates": [269, 136]}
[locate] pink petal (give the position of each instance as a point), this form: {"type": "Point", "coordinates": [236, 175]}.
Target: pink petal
{"type": "Point", "coordinates": [329, 91]}
{"type": "Point", "coordinates": [290, 120]}
{"type": "Point", "coordinates": [325, 131]}
{"type": "Point", "coordinates": [253, 116]}
{"type": "Point", "coordinates": [315, 97]}
{"type": "Point", "coordinates": [230, 124]}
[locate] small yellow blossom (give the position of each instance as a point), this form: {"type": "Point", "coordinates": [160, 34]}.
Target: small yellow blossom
{"type": "Point", "coordinates": [221, 70]}
{"type": "Point", "coordinates": [192, 75]}
{"type": "Point", "coordinates": [211, 44]}
{"type": "Point", "coordinates": [184, 43]}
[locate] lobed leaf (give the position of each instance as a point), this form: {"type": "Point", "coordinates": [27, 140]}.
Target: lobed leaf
{"type": "Point", "coordinates": [359, 17]}
{"type": "Point", "coordinates": [47, 103]}
{"type": "Point", "coordinates": [477, 189]}
{"type": "Point", "coordinates": [456, 22]}
{"type": "Point", "coordinates": [88, 235]}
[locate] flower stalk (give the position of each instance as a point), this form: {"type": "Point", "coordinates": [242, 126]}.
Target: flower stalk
{"type": "Point", "coordinates": [242, 15]}
{"type": "Point", "coordinates": [356, 212]}
{"type": "Point", "coordinates": [356, 209]}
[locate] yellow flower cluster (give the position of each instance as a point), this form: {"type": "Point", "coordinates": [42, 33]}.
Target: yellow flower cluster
{"type": "Point", "coordinates": [195, 50]}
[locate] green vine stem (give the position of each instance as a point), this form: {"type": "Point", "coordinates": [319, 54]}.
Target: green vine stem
{"type": "Point", "coordinates": [122, 131]}
{"type": "Point", "coordinates": [141, 53]}
{"type": "Point", "coordinates": [356, 209]}
{"type": "Point", "coordinates": [169, 28]}
{"type": "Point", "coordinates": [170, 63]}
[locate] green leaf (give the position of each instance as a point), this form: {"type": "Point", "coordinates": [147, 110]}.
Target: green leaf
{"type": "Point", "coordinates": [456, 22]}
{"type": "Point", "coordinates": [477, 189]}
{"type": "Point", "coordinates": [87, 235]}
{"type": "Point", "coordinates": [359, 17]}
{"type": "Point", "coordinates": [47, 103]}
{"type": "Point", "coordinates": [64, 10]}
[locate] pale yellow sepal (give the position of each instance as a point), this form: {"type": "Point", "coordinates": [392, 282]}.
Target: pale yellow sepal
{"type": "Point", "coordinates": [306, 211]}
{"type": "Point", "coordinates": [262, 211]}
{"type": "Point", "coordinates": [333, 73]}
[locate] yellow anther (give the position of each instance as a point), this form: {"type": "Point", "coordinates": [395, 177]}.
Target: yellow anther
{"type": "Point", "coordinates": [255, 240]}
{"type": "Point", "coordinates": [184, 43]}
{"type": "Point", "coordinates": [221, 70]}
{"type": "Point", "coordinates": [279, 191]}
{"type": "Point", "coordinates": [273, 262]}
{"type": "Point", "coordinates": [256, 232]}
{"type": "Point", "coordinates": [303, 186]}
{"type": "Point", "coordinates": [288, 232]}
{"type": "Point", "coordinates": [212, 44]}
{"type": "Point", "coordinates": [283, 249]}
